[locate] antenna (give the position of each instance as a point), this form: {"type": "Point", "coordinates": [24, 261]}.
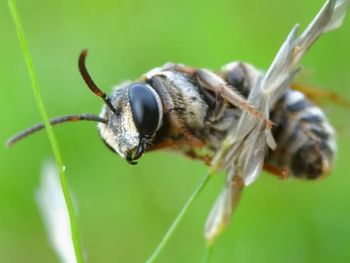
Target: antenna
{"type": "Point", "coordinates": [54, 121]}
{"type": "Point", "coordinates": [90, 83]}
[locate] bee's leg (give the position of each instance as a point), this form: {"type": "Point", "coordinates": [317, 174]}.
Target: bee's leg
{"type": "Point", "coordinates": [191, 153]}
{"type": "Point", "coordinates": [180, 143]}
{"type": "Point", "coordinates": [283, 173]}
{"type": "Point", "coordinates": [213, 82]}
{"type": "Point", "coordinates": [215, 101]}
{"type": "Point", "coordinates": [317, 95]}
{"type": "Point", "coordinates": [184, 69]}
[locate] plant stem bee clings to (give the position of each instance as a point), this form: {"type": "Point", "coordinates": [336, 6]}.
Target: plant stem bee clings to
{"type": "Point", "coordinates": [239, 120]}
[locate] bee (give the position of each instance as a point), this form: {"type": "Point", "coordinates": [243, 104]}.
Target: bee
{"type": "Point", "coordinates": [238, 120]}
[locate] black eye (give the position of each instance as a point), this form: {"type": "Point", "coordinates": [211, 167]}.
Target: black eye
{"type": "Point", "coordinates": [144, 109]}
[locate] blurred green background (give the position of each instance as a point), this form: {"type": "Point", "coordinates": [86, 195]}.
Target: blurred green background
{"type": "Point", "coordinates": [124, 210]}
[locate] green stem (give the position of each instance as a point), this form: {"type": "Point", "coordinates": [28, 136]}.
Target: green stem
{"type": "Point", "coordinates": [178, 219]}
{"type": "Point", "coordinates": [208, 253]}
{"type": "Point", "coordinates": [50, 133]}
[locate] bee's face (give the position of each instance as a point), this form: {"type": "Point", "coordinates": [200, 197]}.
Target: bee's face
{"type": "Point", "coordinates": [136, 119]}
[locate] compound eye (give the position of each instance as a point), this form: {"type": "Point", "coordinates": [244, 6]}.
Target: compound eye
{"type": "Point", "coordinates": [145, 109]}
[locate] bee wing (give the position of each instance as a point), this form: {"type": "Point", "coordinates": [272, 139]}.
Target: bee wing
{"type": "Point", "coordinates": [338, 16]}
{"type": "Point", "coordinates": [223, 208]}
{"type": "Point", "coordinates": [268, 88]}
{"type": "Point", "coordinates": [242, 153]}
{"type": "Point", "coordinates": [253, 156]}
{"type": "Point", "coordinates": [285, 64]}
{"type": "Point", "coordinates": [330, 17]}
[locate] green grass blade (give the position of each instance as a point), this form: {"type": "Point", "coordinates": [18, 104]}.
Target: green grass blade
{"type": "Point", "coordinates": [208, 253]}
{"type": "Point", "coordinates": [50, 133]}
{"type": "Point", "coordinates": [179, 218]}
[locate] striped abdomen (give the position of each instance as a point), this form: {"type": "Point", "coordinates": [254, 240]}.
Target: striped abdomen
{"type": "Point", "coordinates": [305, 139]}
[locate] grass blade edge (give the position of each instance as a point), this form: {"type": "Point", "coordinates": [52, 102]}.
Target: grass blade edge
{"type": "Point", "coordinates": [50, 133]}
